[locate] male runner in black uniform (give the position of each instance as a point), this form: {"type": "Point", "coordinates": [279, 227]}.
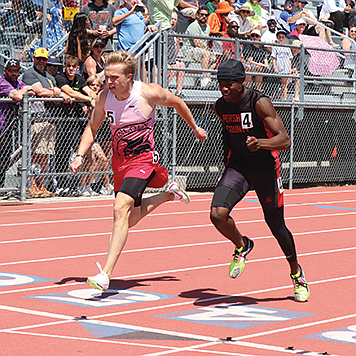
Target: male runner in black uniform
{"type": "Point", "coordinates": [253, 133]}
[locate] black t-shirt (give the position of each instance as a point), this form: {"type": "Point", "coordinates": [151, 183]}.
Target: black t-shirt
{"type": "Point", "coordinates": [77, 84]}
{"type": "Point", "coordinates": [257, 53]}
{"type": "Point", "coordinates": [240, 120]}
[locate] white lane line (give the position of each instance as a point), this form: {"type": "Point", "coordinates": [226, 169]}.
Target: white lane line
{"type": "Point", "coordinates": [172, 247]}
{"type": "Point", "coordinates": [17, 224]}
{"type": "Point", "coordinates": [287, 204]}
{"type": "Point", "coordinates": [236, 340]}
{"type": "Point", "coordinates": [158, 229]}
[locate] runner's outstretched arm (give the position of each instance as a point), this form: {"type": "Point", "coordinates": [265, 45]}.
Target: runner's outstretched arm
{"type": "Point", "coordinates": [154, 94]}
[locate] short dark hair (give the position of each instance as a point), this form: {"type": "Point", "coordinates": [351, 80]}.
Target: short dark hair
{"type": "Point", "coordinates": [201, 8]}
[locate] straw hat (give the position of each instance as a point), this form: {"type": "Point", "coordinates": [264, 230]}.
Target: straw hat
{"type": "Point", "coordinates": [224, 8]}
{"type": "Point", "coordinates": [247, 8]}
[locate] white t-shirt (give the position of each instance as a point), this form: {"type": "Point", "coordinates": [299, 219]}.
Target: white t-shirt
{"type": "Point", "coordinates": [283, 55]}
{"type": "Point", "coordinates": [269, 37]}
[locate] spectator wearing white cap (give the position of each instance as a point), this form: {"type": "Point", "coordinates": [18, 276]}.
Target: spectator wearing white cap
{"type": "Point", "coordinates": [302, 17]}
{"type": "Point", "coordinates": [301, 27]}
{"type": "Point", "coordinates": [255, 59]}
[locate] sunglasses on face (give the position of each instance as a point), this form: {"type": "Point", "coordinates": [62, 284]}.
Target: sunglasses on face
{"type": "Point", "coordinates": [206, 15]}
{"type": "Point", "coordinates": [301, 24]}
{"type": "Point", "coordinates": [353, 31]}
{"type": "Point", "coordinates": [255, 36]}
{"type": "Point", "coordinates": [13, 70]}
{"type": "Point", "coordinates": [289, 3]}
{"type": "Point", "coordinates": [245, 11]}
{"type": "Point", "coordinates": [42, 59]}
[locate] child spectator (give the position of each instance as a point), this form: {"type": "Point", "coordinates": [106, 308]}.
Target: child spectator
{"type": "Point", "coordinates": [281, 60]}
{"type": "Point", "coordinates": [95, 159]}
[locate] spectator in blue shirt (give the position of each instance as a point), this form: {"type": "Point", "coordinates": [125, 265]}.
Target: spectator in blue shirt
{"type": "Point", "coordinates": [286, 14]}
{"type": "Point", "coordinates": [130, 24]}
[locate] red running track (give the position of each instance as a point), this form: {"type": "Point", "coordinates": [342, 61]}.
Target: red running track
{"type": "Point", "coordinates": [171, 293]}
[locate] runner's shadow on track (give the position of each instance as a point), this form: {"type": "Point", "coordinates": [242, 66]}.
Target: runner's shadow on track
{"type": "Point", "coordinates": [124, 284]}
{"type": "Point", "coordinates": [206, 297]}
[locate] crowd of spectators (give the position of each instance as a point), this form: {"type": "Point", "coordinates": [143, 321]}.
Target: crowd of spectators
{"type": "Point", "coordinates": [102, 26]}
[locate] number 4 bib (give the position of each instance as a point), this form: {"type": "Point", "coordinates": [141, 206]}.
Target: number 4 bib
{"type": "Point", "coordinates": [246, 120]}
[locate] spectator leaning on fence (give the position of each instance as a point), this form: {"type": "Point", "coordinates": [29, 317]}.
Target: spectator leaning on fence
{"type": "Point", "coordinates": [53, 65]}
{"type": "Point", "coordinates": [13, 88]}
{"type": "Point", "coordinates": [43, 132]}
{"type": "Point", "coordinates": [71, 128]}
{"type": "Point", "coordinates": [103, 138]}
{"type": "Point", "coordinates": [101, 13]}
{"type": "Point", "coordinates": [255, 59]}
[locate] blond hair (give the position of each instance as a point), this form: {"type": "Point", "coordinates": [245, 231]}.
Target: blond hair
{"type": "Point", "coordinates": [125, 58]}
{"type": "Point", "coordinates": [93, 78]}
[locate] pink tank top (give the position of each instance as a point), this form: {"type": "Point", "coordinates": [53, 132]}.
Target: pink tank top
{"type": "Point", "coordinates": [131, 132]}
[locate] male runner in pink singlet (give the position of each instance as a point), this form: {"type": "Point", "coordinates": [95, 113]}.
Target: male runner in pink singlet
{"type": "Point", "coordinates": [130, 107]}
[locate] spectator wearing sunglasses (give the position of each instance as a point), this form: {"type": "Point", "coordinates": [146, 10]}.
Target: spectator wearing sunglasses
{"type": "Point", "coordinates": [243, 20]}
{"type": "Point", "coordinates": [218, 20]}
{"type": "Point", "coordinates": [255, 59]}
{"type": "Point", "coordinates": [349, 45]}
{"type": "Point", "coordinates": [229, 47]}
{"type": "Point", "coordinates": [301, 27]}
{"type": "Point", "coordinates": [285, 15]}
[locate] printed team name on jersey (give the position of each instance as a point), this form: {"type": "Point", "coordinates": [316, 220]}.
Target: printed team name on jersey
{"type": "Point", "coordinates": [242, 122]}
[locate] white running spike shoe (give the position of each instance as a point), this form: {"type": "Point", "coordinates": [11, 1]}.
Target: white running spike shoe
{"type": "Point", "coordinates": [100, 281]}
{"type": "Point", "coordinates": [179, 193]}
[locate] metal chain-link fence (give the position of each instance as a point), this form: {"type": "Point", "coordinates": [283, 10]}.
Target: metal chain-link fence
{"type": "Point", "coordinates": [323, 148]}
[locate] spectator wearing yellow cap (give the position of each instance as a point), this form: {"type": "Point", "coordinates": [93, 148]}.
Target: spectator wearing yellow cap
{"type": "Point", "coordinates": [43, 133]}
